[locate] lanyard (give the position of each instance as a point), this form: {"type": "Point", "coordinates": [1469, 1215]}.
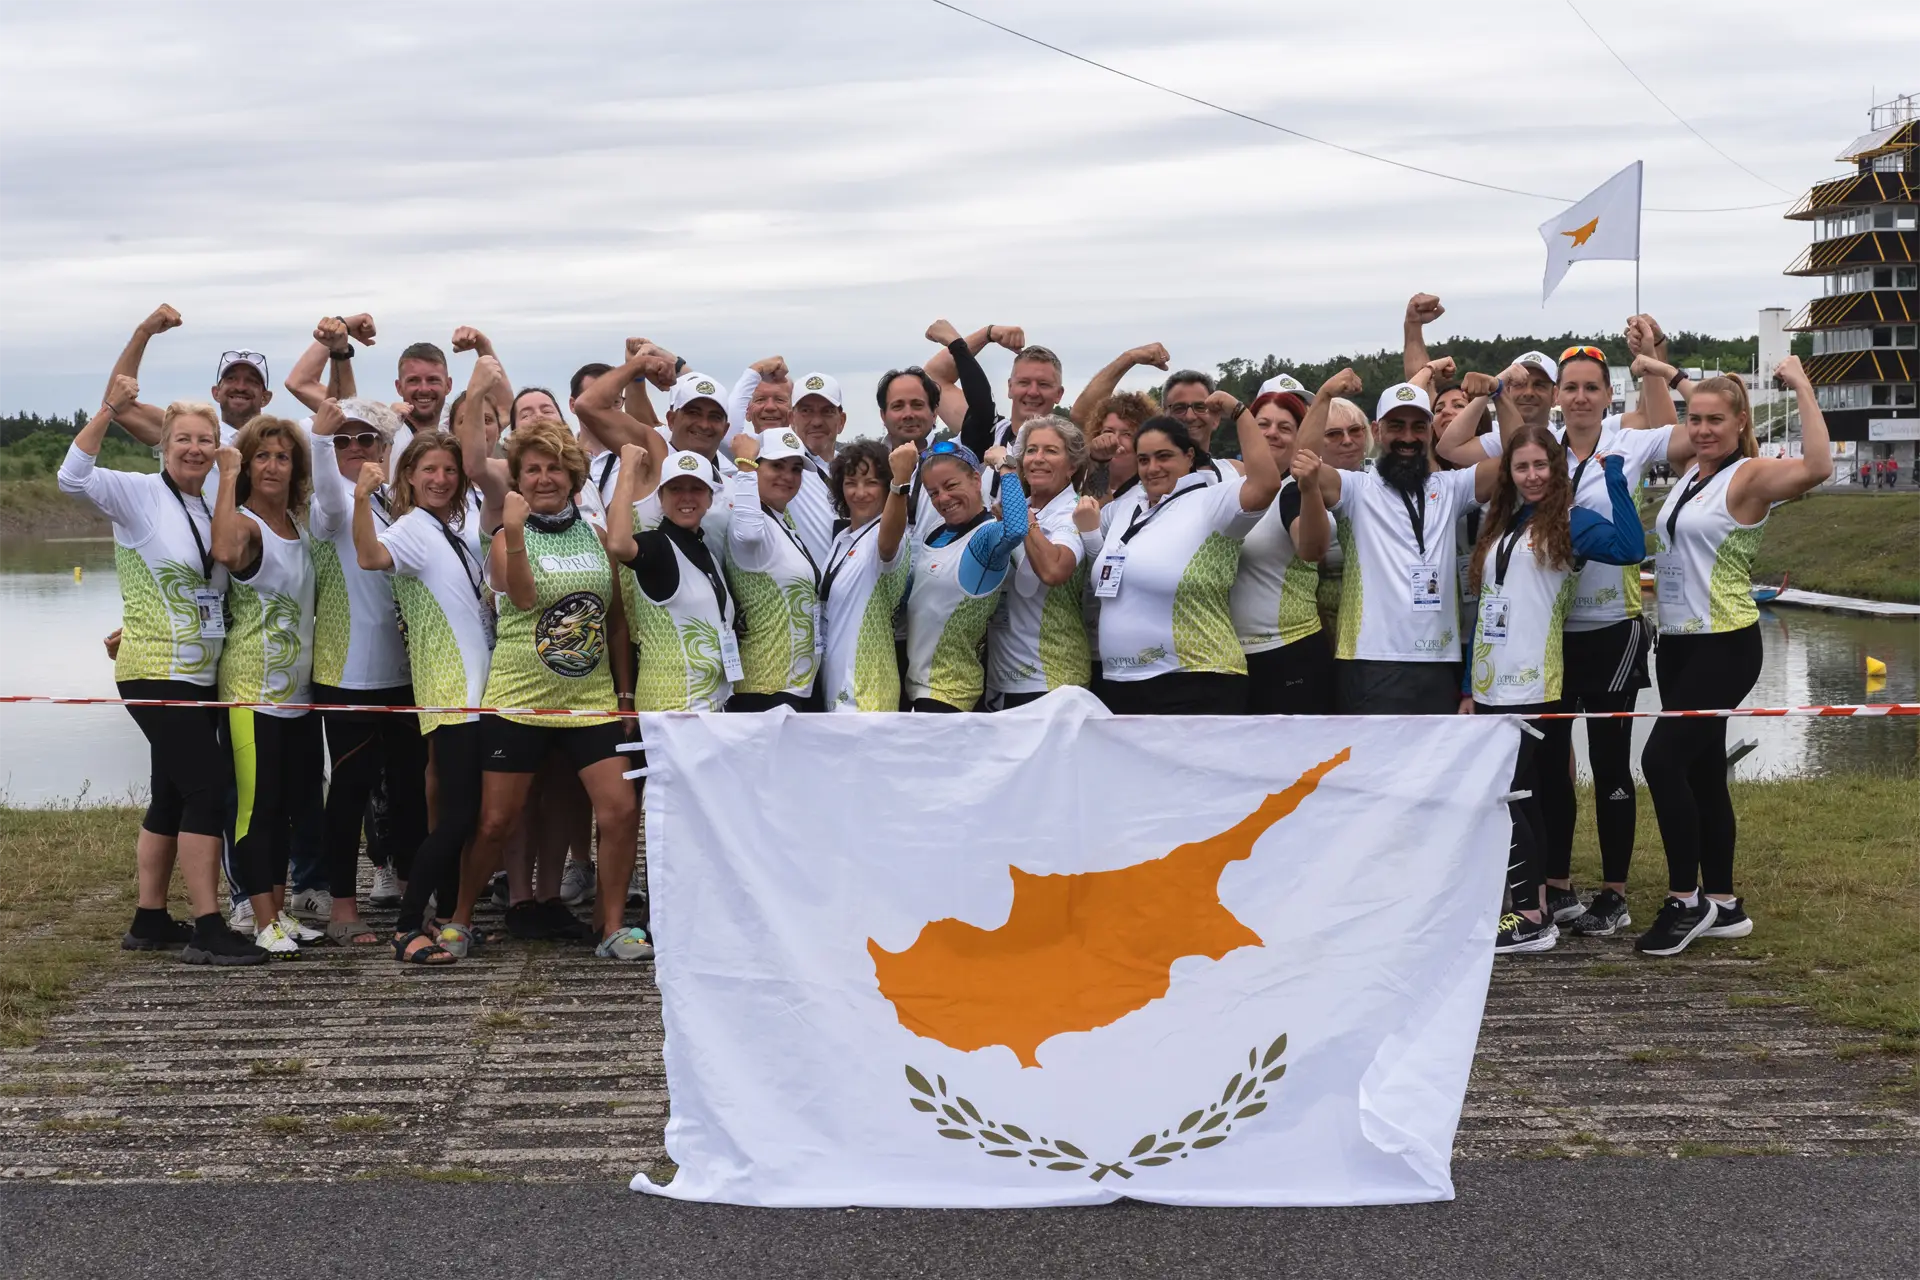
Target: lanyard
{"type": "Point", "coordinates": [1582, 470]}
{"type": "Point", "coordinates": [380, 505]}
{"type": "Point", "coordinates": [840, 562]}
{"type": "Point", "coordinates": [1503, 554]}
{"type": "Point", "coordinates": [1417, 515]}
{"type": "Point", "coordinates": [1144, 516]}
{"type": "Point", "coordinates": [475, 575]}
{"type": "Point", "coordinates": [779, 518]}
{"type": "Point", "coordinates": [712, 574]}
{"type": "Point", "coordinates": [1687, 495]}
{"type": "Point", "coordinates": [206, 553]}
{"type": "Point", "coordinates": [606, 469]}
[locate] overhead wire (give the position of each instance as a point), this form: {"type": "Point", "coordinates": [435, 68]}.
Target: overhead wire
{"type": "Point", "coordinates": [1308, 137]}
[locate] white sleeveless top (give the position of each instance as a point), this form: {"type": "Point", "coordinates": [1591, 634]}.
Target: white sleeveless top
{"type": "Point", "coordinates": [680, 666]}
{"type": "Point", "coordinates": [1704, 557]}
{"type": "Point", "coordinates": [269, 652]}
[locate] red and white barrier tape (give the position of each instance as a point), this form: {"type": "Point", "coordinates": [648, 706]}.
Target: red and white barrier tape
{"type": "Point", "coordinates": [1859, 709]}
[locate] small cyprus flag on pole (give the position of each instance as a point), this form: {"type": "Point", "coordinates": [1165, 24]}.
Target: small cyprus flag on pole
{"type": "Point", "coordinates": [1604, 225]}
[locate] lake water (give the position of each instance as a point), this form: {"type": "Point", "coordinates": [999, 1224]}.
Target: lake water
{"type": "Point", "coordinates": [53, 625]}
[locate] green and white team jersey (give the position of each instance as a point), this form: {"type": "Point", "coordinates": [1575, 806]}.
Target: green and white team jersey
{"type": "Point", "coordinates": [269, 651]}
{"type": "Point", "coordinates": [555, 654]}
{"type": "Point", "coordinates": [1274, 591]}
{"type": "Point", "coordinates": [945, 626]}
{"type": "Point", "coordinates": [776, 587]}
{"type": "Point", "coordinates": [681, 664]}
{"type": "Point", "coordinates": [1399, 591]}
{"type": "Point", "coordinates": [1176, 561]}
{"type": "Point", "coordinates": [171, 591]}
{"type": "Point", "coordinates": [1516, 645]}
{"type": "Point", "coordinates": [356, 634]}
{"type": "Point", "coordinates": [860, 670]}
{"type": "Point", "coordinates": [1703, 558]}
{"type": "Point", "coordinates": [440, 584]}
{"type": "Point", "coordinates": [1037, 640]}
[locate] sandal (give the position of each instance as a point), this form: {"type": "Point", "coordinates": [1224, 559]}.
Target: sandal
{"type": "Point", "coordinates": [352, 933]}
{"type": "Point", "coordinates": [433, 955]}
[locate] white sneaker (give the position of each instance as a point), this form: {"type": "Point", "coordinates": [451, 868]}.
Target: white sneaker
{"type": "Point", "coordinates": [636, 887]}
{"type": "Point", "coordinates": [315, 904]}
{"type": "Point", "coordinates": [299, 932]}
{"type": "Point", "coordinates": [275, 941]}
{"type": "Point", "coordinates": [576, 882]}
{"type": "Point", "coordinates": [387, 890]}
{"type": "Point", "coordinates": [241, 921]}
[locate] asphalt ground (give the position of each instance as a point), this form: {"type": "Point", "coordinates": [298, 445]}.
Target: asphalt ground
{"type": "Point", "coordinates": [1658, 1218]}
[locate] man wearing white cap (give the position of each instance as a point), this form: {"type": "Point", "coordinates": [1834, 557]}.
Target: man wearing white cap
{"type": "Point", "coordinates": [818, 418]}
{"type": "Point", "coordinates": [1398, 641]}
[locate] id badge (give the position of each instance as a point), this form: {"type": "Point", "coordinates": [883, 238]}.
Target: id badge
{"type": "Point", "coordinates": [1495, 613]}
{"type": "Point", "coordinates": [1672, 579]}
{"type": "Point", "coordinates": [819, 632]}
{"type": "Point", "coordinates": [1423, 584]}
{"type": "Point", "coordinates": [730, 656]}
{"type": "Point", "coordinates": [1462, 571]}
{"type": "Point", "coordinates": [212, 608]}
{"type": "Point", "coordinates": [1107, 585]}
{"type": "Point", "coordinates": [490, 623]}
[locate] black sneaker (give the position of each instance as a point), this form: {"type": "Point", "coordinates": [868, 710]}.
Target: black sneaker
{"type": "Point", "coordinates": [221, 946]}
{"type": "Point", "coordinates": [1730, 921]}
{"type": "Point", "coordinates": [1519, 934]}
{"type": "Point", "coordinates": [1606, 915]}
{"type": "Point", "coordinates": [562, 924]}
{"type": "Point", "coordinates": [1564, 904]}
{"type": "Point", "coordinates": [1676, 926]}
{"type": "Point", "coordinates": [162, 934]}
{"type": "Point", "coordinates": [527, 922]}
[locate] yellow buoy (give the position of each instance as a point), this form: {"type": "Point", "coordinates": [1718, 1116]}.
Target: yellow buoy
{"type": "Point", "coordinates": [76, 573]}
{"type": "Point", "coordinates": [1875, 667]}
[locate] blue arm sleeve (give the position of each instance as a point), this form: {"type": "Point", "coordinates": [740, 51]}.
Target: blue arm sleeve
{"type": "Point", "coordinates": [990, 550]}
{"type": "Point", "coordinates": [1621, 540]}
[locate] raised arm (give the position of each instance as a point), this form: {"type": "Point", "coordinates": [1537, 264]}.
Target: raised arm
{"type": "Point", "coordinates": [740, 402]}
{"type": "Point", "coordinates": [1313, 430]}
{"type": "Point", "coordinates": [893, 517]}
{"type": "Point", "coordinates": [1460, 442]}
{"type": "Point", "coordinates": [1309, 529]}
{"type": "Point", "coordinates": [1656, 378]}
{"type": "Point", "coordinates": [1422, 310]}
{"type": "Point", "coordinates": [116, 494]}
{"type": "Point", "coordinates": [1153, 355]}
{"type": "Point", "coordinates": [976, 393]}
{"type": "Point", "coordinates": [1765, 481]}
{"type": "Point", "coordinates": [507, 554]}
{"type": "Point", "coordinates": [488, 474]}
{"type": "Point", "coordinates": [307, 380]}
{"type": "Point", "coordinates": [944, 370]}
{"type": "Point", "coordinates": [990, 548]}
{"type": "Point", "coordinates": [615, 427]}
{"type": "Point", "coordinates": [1618, 538]}
{"type": "Point", "coordinates": [332, 495]}
{"type": "Point", "coordinates": [236, 539]}
{"type": "Point", "coordinates": [1261, 474]}
{"type": "Point", "coordinates": [366, 542]}
{"type": "Point", "coordinates": [749, 526]}
{"type": "Point", "coordinates": [639, 474]}
{"type": "Point", "coordinates": [141, 421]}
{"type": "Point", "coordinates": [499, 392]}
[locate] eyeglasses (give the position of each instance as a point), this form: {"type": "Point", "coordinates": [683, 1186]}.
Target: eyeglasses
{"type": "Point", "coordinates": [365, 439]}
{"type": "Point", "coordinates": [1185, 410]}
{"type": "Point", "coordinates": [1589, 353]}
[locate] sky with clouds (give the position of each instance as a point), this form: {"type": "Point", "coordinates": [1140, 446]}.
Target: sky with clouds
{"type": "Point", "coordinates": [735, 178]}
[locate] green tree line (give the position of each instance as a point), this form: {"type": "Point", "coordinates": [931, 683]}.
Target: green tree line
{"type": "Point", "coordinates": [31, 446]}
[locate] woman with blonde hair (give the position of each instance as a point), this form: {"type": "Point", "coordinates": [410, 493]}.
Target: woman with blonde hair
{"type": "Point", "coordinates": [1704, 542]}
{"type": "Point", "coordinates": [173, 625]}
{"type": "Point", "coordinates": [1037, 638]}
{"type": "Point", "coordinates": [259, 535]}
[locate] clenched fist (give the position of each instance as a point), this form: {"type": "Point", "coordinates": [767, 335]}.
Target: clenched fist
{"type": "Point", "coordinates": [904, 460]}
{"type": "Point", "coordinates": [1086, 515]}
{"type": "Point", "coordinates": [121, 395]}
{"type": "Point", "coordinates": [163, 318]}
{"type": "Point", "coordinates": [1342, 384]}
{"type": "Point", "coordinates": [1424, 309]}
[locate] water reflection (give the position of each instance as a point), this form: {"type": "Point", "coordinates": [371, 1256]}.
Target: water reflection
{"type": "Point", "coordinates": [50, 644]}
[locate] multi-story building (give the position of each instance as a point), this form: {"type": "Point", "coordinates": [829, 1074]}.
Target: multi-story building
{"type": "Point", "coordinates": [1865, 326]}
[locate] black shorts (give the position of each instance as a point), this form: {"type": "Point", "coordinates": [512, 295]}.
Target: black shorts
{"type": "Point", "coordinates": [1179, 693]}
{"type": "Point", "coordinates": [1375, 688]}
{"type": "Point", "coordinates": [1294, 680]}
{"type": "Point", "coordinates": [507, 746]}
{"type": "Point", "coordinates": [1612, 659]}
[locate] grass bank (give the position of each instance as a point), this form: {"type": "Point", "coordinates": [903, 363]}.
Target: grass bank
{"type": "Point", "coordinates": [1862, 545]}
{"type": "Point", "coordinates": [30, 497]}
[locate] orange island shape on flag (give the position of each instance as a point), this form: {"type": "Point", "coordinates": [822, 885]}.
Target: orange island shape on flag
{"type": "Point", "coordinates": [1077, 951]}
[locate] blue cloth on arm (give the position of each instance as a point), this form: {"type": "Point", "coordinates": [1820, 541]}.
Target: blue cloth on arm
{"type": "Point", "coordinates": [990, 547]}
{"type": "Point", "coordinates": [1620, 539]}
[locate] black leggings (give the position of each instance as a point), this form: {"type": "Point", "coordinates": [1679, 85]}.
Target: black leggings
{"type": "Point", "coordinates": [366, 748]}
{"type": "Point", "coordinates": [1610, 752]}
{"type": "Point", "coordinates": [273, 756]}
{"type": "Point", "coordinates": [191, 769]}
{"type": "Point", "coordinates": [1294, 680]}
{"type": "Point", "coordinates": [1525, 866]}
{"type": "Point", "coordinates": [1179, 693]}
{"type": "Point", "coordinates": [1685, 761]}
{"type": "Point", "coordinates": [436, 867]}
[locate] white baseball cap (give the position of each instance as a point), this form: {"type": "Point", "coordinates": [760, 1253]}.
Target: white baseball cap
{"type": "Point", "coordinates": [824, 385]}
{"type": "Point", "coordinates": [228, 359]}
{"type": "Point", "coordinates": [1286, 383]}
{"type": "Point", "coordinates": [1401, 395]}
{"type": "Point", "coordinates": [1542, 361]}
{"type": "Point", "coordinates": [691, 386]}
{"type": "Point", "coordinates": [683, 464]}
{"type": "Point", "coordinates": [373, 413]}
{"type": "Point", "coordinates": [783, 443]}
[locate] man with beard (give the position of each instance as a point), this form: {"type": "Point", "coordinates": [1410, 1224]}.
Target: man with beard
{"type": "Point", "coordinates": [422, 383]}
{"type": "Point", "coordinates": [1398, 641]}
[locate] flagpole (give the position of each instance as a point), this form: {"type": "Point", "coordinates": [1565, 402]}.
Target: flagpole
{"type": "Point", "coordinates": [1639, 216]}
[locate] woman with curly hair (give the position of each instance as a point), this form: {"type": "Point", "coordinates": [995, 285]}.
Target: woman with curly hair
{"type": "Point", "coordinates": [1532, 544]}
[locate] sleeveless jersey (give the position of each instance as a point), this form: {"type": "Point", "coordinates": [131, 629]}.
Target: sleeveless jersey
{"type": "Point", "coordinates": [269, 650]}
{"type": "Point", "coordinates": [555, 654]}
{"type": "Point", "coordinates": [1704, 558]}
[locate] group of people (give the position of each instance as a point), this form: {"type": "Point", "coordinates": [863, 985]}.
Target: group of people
{"type": "Point", "coordinates": [486, 550]}
{"type": "Point", "coordinates": [1881, 474]}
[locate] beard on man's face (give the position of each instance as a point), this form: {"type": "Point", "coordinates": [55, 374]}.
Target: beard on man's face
{"type": "Point", "coordinates": [1404, 466]}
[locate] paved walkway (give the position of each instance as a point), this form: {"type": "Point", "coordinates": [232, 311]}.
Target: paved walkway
{"type": "Point", "coordinates": [539, 1062]}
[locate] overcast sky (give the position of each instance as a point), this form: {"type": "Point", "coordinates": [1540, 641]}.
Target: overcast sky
{"type": "Point", "coordinates": [735, 178]}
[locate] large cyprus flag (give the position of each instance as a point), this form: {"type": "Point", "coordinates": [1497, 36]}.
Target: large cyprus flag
{"type": "Point", "coordinates": [1053, 957]}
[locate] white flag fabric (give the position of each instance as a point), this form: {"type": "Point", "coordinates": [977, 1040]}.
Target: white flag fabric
{"type": "Point", "coordinates": [1054, 957]}
{"type": "Point", "coordinates": [1606, 224]}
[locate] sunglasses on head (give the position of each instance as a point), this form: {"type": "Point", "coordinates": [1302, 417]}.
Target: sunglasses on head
{"type": "Point", "coordinates": [364, 439]}
{"type": "Point", "coordinates": [231, 358]}
{"type": "Point", "coordinates": [950, 448]}
{"type": "Point", "coordinates": [1589, 353]}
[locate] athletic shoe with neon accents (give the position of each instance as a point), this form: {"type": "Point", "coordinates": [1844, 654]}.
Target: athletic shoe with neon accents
{"type": "Point", "coordinates": [1520, 935]}
{"type": "Point", "coordinates": [276, 942]}
{"type": "Point", "coordinates": [302, 934]}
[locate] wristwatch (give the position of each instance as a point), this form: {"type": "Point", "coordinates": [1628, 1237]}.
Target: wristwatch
{"type": "Point", "coordinates": [340, 355]}
{"type": "Point", "coordinates": [1679, 376]}
{"type": "Point", "coordinates": [901, 489]}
